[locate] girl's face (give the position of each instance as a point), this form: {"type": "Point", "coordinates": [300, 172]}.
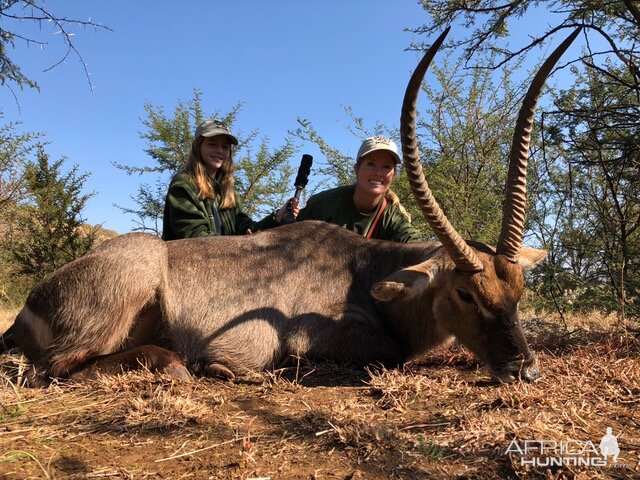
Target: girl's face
{"type": "Point", "coordinates": [214, 152]}
{"type": "Point", "coordinates": [375, 172]}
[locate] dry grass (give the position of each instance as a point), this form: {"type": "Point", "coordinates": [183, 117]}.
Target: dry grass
{"type": "Point", "coordinates": [6, 318]}
{"type": "Point", "coordinates": [440, 417]}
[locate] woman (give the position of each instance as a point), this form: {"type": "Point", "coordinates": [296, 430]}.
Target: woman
{"type": "Point", "coordinates": [201, 200]}
{"type": "Point", "coordinates": [369, 207]}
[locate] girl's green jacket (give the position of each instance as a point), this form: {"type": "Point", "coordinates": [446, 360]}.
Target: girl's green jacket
{"type": "Point", "coordinates": [186, 215]}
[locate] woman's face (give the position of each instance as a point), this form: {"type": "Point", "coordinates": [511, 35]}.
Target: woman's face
{"type": "Point", "coordinates": [214, 152]}
{"type": "Point", "coordinates": [375, 172]}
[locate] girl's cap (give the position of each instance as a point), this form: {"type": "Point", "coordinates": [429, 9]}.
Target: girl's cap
{"type": "Point", "coordinates": [211, 128]}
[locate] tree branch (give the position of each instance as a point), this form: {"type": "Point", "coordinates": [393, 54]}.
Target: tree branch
{"type": "Point", "coordinates": [633, 10]}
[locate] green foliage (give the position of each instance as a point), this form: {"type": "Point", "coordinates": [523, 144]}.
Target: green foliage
{"type": "Point", "coordinates": [337, 167]}
{"type": "Point", "coordinates": [10, 71]}
{"type": "Point", "coordinates": [428, 449]}
{"type": "Point", "coordinates": [262, 178]}
{"type": "Point", "coordinates": [584, 179]}
{"type": "Point", "coordinates": [48, 231]}
{"type": "Point", "coordinates": [464, 147]}
{"type": "Point", "coordinates": [466, 138]}
{"type": "Point", "coordinates": [14, 286]}
{"type": "Point", "coordinates": [8, 412]}
{"type": "Point", "coordinates": [589, 215]}
{"type": "Point", "coordinates": [15, 149]}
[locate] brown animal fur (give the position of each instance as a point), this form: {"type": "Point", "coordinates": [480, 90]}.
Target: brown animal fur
{"type": "Point", "coordinates": [226, 305]}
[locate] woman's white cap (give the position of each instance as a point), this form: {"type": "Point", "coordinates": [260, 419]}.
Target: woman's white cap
{"type": "Point", "coordinates": [372, 144]}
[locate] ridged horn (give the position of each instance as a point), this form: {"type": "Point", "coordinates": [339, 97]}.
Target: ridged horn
{"type": "Point", "coordinates": [462, 255]}
{"type": "Point", "coordinates": [514, 208]}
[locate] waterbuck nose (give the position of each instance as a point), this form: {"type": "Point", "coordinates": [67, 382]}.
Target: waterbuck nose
{"type": "Point", "coordinates": [529, 371]}
{"type": "Point", "coordinates": [529, 374]}
{"type": "Point", "coordinates": [517, 370]}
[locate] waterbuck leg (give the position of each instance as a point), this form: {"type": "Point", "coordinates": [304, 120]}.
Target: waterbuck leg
{"type": "Point", "coordinates": [354, 336]}
{"type": "Point", "coordinates": [152, 357]}
{"type": "Point", "coordinates": [218, 370]}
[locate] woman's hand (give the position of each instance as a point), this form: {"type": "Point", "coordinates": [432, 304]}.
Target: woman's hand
{"type": "Point", "coordinates": [288, 212]}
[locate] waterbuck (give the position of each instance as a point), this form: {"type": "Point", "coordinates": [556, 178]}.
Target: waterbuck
{"type": "Point", "coordinates": [223, 306]}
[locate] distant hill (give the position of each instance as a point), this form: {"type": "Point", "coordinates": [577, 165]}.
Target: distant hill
{"type": "Point", "coordinates": [102, 234]}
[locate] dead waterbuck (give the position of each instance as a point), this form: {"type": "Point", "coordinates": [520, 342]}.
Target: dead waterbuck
{"type": "Point", "coordinates": [226, 305]}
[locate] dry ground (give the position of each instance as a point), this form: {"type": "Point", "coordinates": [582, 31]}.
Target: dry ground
{"type": "Point", "coordinates": [439, 418]}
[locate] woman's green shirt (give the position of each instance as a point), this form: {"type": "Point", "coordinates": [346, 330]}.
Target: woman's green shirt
{"type": "Point", "coordinates": [336, 206]}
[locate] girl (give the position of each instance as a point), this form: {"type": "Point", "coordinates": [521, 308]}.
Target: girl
{"type": "Point", "coordinates": [201, 200]}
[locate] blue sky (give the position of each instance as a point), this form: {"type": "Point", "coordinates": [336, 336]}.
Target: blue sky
{"type": "Point", "coordinates": [283, 59]}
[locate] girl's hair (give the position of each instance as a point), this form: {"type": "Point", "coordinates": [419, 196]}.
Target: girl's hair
{"type": "Point", "coordinates": [224, 176]}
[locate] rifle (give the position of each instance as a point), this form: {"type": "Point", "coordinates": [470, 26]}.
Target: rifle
{"type": "Point", "coordinates": [301, 181]}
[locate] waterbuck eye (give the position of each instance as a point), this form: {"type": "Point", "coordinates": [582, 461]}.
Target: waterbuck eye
{"type": "Point", "coordinates": [465, 296]}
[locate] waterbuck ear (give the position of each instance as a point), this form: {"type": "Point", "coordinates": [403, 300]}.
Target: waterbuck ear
{"type": "Point", "coordinates": [405, 283]}
{"type": "Point", "coordinates": [531, 257]}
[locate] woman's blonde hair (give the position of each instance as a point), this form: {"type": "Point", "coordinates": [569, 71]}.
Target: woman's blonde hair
{"type": "Point", "coordinates": [224, 176]}
{"type": "Point", "coordinates": [391, 197]}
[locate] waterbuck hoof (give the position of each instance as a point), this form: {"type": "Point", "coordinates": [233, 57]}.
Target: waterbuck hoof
{"type": "Point", "coordinates": [35, 379]}
{"type": "Point", "coordinates": [531, 374]}
{"type": "Point", "coordinates": [218, 370]}
{"type": "Point", "coordinates": [178, 372]}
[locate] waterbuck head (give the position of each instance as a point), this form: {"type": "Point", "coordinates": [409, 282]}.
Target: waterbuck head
{"type": "Point", "coordinates": [473, 289]}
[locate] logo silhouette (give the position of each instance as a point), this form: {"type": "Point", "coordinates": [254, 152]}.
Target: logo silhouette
{"type": "Point", "coordinates": [609, 445]}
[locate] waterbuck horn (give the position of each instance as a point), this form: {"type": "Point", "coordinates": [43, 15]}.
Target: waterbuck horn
{"type": "Point", "coordinates": [514, 207]}
{"type": "Point", "coordinates": [455, 246]}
